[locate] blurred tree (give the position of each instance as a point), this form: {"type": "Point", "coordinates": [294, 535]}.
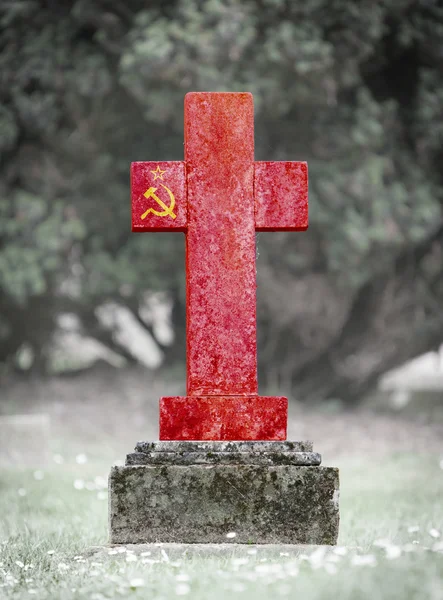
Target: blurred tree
{"type": "Point", "coordinates": [354, 88]}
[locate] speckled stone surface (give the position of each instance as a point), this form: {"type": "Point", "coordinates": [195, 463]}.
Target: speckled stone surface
{"type": "Point", "coordinates": [233, 458]}
{"type": "Point", "coordinates": [202, 504]}
{"type": "Point", "coordinates": [210, 453]}
{"type": "Point", "coordinates": [281, 196]}
{"type": "Point", "coordinates": [231, 446]}
{"type": "Point", "coordinates": [220, 244]}
{"type": "Point", "coordinates": [219, 197]}
{"type": "Point", "coordinates": [223, 418]}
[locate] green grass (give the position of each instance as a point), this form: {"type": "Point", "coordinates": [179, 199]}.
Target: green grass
{"type": "Point", "coordinates": [48, 523]}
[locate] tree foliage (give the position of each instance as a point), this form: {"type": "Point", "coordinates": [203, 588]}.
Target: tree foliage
{"type": "Point", "coordinates": [354, 88]}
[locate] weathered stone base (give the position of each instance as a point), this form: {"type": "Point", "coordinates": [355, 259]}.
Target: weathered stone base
{"type": "Point", "coordinates": [259, 499]}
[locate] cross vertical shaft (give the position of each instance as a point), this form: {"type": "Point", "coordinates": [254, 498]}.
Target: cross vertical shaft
{"type": "Point", "coordinates": [220, 245]}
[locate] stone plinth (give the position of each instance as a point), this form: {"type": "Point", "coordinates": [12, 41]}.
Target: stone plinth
{"type": "Point", "coordinates": [198, 492]}
{"type": "Point", "coordinates": [223, 418]}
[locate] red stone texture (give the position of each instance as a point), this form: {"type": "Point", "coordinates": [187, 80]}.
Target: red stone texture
{"type": "Point", "coordinates": [220, 244]}
{"type": "Point", "coordinates": [223, 418]}
{"type": "Point", "coordinates": [142, 179]}
{"type": "Point", "coordinates": [221, 197]}
{"type": "Point", "coordinates": [281, 196]}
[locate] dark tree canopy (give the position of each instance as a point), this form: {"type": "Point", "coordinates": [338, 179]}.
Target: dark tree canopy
{"type": "Point", "coordinates": [354, 88]}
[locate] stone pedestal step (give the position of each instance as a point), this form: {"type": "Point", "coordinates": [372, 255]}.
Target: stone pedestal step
{"type": "Point", "coordinates": [234, 446]}
{"type": "Point", "coordinates": [247, 492]}
{"type": "Point", "coordinates": [227, 453]}
{"type": "Point", "coordinates": [231, 458]}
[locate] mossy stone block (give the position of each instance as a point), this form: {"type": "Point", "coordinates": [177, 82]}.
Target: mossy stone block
{"type": "Point", "coordinates": [261, 504]}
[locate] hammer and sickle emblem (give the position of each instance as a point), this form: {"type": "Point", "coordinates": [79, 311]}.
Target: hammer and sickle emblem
{"type": "Point", "coordinates": [167, 210]}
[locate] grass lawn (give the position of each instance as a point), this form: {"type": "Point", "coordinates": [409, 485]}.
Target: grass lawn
{"type": "Point", "coordinates": [391, 532]}
{"type": "Point", "coordinates": [391, 541]}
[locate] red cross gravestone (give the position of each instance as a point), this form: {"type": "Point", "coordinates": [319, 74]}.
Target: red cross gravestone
{"type": "Point", "coordinates": [223, 469]}
{"type": "Point", "coordinates": [219, 197]}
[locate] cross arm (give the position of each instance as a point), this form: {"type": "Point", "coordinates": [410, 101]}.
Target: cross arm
{"type": "Point", "coordinates": [158, 196]}
{"type": "Point", "coordinates": [281, 196]}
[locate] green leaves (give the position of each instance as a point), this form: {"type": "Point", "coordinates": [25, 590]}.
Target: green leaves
{"type": "Point", "coordinates": [37, 237]}
{"type": "Point", "coordinates": [9, 130]}
{"type": "Point", "coordinates": [87, 89]}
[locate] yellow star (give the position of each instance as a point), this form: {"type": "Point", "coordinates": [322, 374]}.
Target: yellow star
{"type": "Point", "coordinates": [158, 173]}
